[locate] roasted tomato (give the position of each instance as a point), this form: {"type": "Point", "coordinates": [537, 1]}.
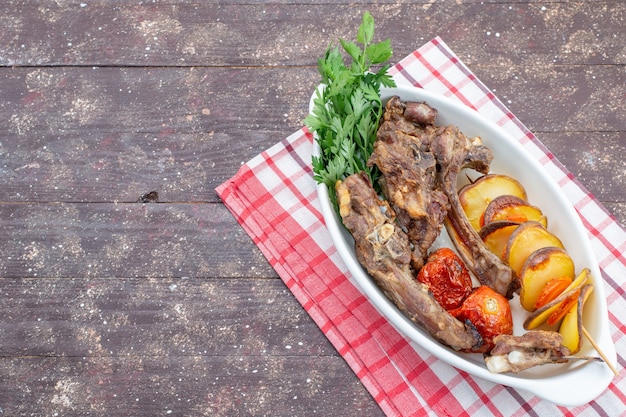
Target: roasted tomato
{"type": "Point", "coordinates": [489, 312]}
{"type": "Point", "coordinates": [447, 277]}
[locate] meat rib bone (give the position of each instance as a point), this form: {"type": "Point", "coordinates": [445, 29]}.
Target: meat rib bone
{"type": "Point", "coordinates": [455, 152]}
{"type": "Point", "coordinates": [383, 249]}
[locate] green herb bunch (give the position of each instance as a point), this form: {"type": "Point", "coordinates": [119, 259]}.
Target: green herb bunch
{"type": "Point", "coordinates": [347, 107]}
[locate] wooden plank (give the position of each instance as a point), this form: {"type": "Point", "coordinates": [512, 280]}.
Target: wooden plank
{"type": "Point", "coordinates": [155, 317]}
{"type": "Point", "coordinates": [121, 167]}
{"type": "Point", "coordinates": [158, 101]}
{"type": "Point", "coordinates": [596, 159]}
{"type": "Point", "coordinates": [182, 386]}
{"type": "Point", "coordinates": [183, 33]}
{"type": "Point", "coordinates": [72, 4]}
{"type": "Point", "coordinates": [561, 98]}
{"type": "Point", "coordinates": [165, 101]}
{"type": "Point", "coordinates": [88, 346]}
{"type": "Point", "coordinates": [113, 134]}
{"type": "Point", "coordinates": [126, 240]}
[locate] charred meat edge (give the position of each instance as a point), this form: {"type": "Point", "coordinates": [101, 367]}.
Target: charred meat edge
{"type": "Point", "coordinates": [454, 152]}
{"type": "Point", "coordinates": [533, 348]}
{"type": "Point", "coordinates": [383, 248]}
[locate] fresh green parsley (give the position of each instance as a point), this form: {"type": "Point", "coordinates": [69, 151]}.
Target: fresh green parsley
{"type": "Point", "coordinates": [347, 108]}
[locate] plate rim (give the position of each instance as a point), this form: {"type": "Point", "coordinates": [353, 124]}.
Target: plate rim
{"type": "Point", "coordinates": [540, 386]}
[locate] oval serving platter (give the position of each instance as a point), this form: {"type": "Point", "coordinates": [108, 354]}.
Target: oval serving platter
{"type": "Point", "coordinates": [569, 384]}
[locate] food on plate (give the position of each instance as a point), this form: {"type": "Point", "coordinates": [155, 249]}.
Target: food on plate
{"type": "Point", "coordinates": [476, 196]}
{"type": "Point", "coordinates": [512, 251]}
{"type": "Point", "coordinates": [347, 110]}
{"type": "Point", "coordinates": [456, 152]}
{"type": "Point", "coordinates": [554, 308]}
{"type": "Point", "coordinates": [517, 232]}
{"type": "Point", "coordinates": [419, 164]}
{"type": "Point", "coordinates": [446, 277]}
{"type": "Point", "coordinates": [552, 289]}
{"type": "Point", "coordinates": [496, 235]}
{"type": "Point", "coordinates": [383, 249]}
{"type": "Point", "coordinates": [486, 265]}
{"type": "Point", "coordinates": [489, 312]}
{"type": "Point", "coordinates": [512, 208]}
{"type": "Point", "coordinates": [394, 173]}
{"type": "Point", "coordinates": [543, 266]}
{"type": "Point", "coordinates": [409, 182]}
{"type": "Point", "coordinates": [395, 224]}
{"type": "Point", "coordinates": [571, 328]}
{"type": "Point", "coordinates": [527, 238]}
{"type": "Point", "coordinates": [516, 353]}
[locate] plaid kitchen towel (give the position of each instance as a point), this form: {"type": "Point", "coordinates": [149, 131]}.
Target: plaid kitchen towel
{"type": "Point", "coordinates": [275, 200]}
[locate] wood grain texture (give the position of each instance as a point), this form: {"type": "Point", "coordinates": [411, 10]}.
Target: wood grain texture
{"type": "Point", "coordinates": [126, 240]}
{"type": "Point", "coordinates": [155, 317]}
{"type": "Point", "coordinates": [111, 306]}
{"type": "Point", "coordinates": [293, 33]}
{"type": "Point", "coordinates": [182, 386]}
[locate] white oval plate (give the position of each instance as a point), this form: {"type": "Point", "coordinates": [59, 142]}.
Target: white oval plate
{"type": "Point", "coordinates": [571, 384]}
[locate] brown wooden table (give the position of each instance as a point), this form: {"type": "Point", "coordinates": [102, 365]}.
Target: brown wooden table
{"type": "Point", "coordinates": [119, 302]}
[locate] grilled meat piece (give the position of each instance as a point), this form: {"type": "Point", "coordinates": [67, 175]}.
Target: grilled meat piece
{"type": "Point", "coordinates": [403, 156]}
{"type": "Point", "coordinates": [419, 113]}
{"type": "Point", "coordinates": [383, 248]}
{"type": "Point", "coordinates": [516, 353]}
{"type": "Point", "coordinates": [420, 163]}
{"type": "Point", "coordinates": [454, 152]}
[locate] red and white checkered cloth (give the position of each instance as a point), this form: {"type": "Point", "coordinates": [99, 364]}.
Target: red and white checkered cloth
{"type": "Point", "coordinates": [274, 198]}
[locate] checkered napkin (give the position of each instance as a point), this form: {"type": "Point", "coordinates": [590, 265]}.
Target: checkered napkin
{"type": "Point", "coordinates": [274, 198]}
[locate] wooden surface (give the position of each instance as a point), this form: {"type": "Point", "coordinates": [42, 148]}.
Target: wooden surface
{"type": "Point", "coordinates": [112, 306]}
